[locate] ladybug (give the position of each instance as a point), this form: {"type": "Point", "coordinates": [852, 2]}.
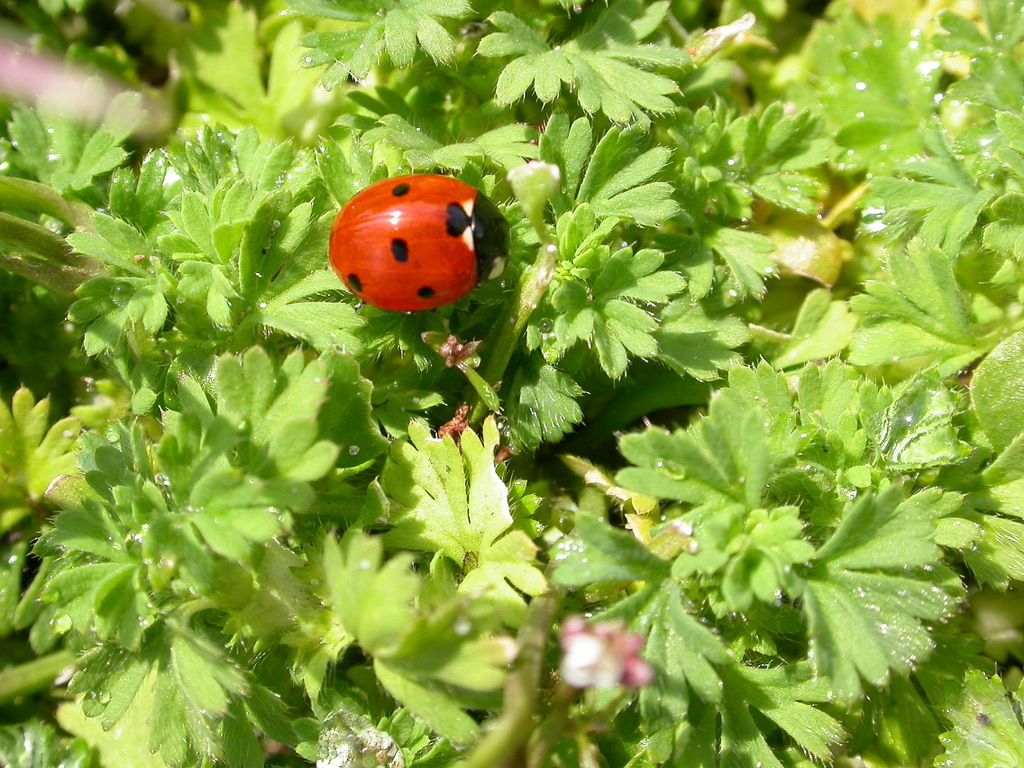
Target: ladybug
{"type": "Point", "coordinates": [417, 242]}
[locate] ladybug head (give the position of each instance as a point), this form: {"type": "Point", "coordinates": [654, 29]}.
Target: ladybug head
{"type": "Point", "coordinates": [490, 238]}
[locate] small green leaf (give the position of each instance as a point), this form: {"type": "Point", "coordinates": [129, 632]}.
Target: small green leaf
{"type": "Point", "coordinates": [861, 620]}
{"type": "Point", "coordinates": [33, 453]}
{"type": "Point", "coordinates": [547, 406]}
{"type": "Point", "coordinates": [12, 563]}
{"type": "Point", "coordinates": [919, 311]}
{"type": "Point", "coordinates": [222, 59]}
{"type": "Point", "coordinates": [785, 695]}
{"type": "Point", "coordinates": [696, 343]}
{"type": "Point", "coordinates": [432, 706]}
{"type": "Point", "coordinates": [746, 256]}
{"type": "Point", "coordinates": [822, 329]}
{"type": "Point", "coordinates": [762, 558]}
{"type": "Point", "coordinates": [65, 154]}
{"type": "Point", "coordinates": [602, 309]}
{"type": "Point", "coordinates": [940, 203]}
{"type": "Point", "coordinates": [372, 598]}
{"type": "Point", "coordinates": [353, 51]}
{"type": "Point", "coordinates": [324, 324]}
{"type": "Point", "coordinates": [347, 413]}
{"type": "Point", "coordinates": [448, 498]}
{"type": "Point", "coordinates": [725, 456]}
{"type": "Point", "coordinates": [876, 82]}
{"type": "Point", "coordinates": [685, 653]}
{"type": "Point", "coordinates": [601, 64]}
{"type": "Point", "coordinates": [507, 146]}
{"type": "Point", "coordinates": [990, 544]}
{"type": "Point", "coordinates": [599, 553]}
{"type": "Point", "coordinates": [486, 392]}
{"type": "Point", "coordinates": [986, 728]}
{"type": "Point", "coordinates": [619, 179]}
{"type": "Point", "coordinates": [34, 744]}
{"type": "Point", "coordinates": [997, 391]}
{"type": "Point", "coordinates": [422, 660]}
{"type": "Point", "coordinates": [916, 430]}
{"type": "Point", "coordinates": [1006, 234]}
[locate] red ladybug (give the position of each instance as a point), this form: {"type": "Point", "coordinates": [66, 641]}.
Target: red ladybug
{"type": "Point", "coordinates": [417, 242]}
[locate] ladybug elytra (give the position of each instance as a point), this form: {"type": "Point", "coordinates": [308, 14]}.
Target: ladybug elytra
{"type": "Point", "coordinates": [417, 242]}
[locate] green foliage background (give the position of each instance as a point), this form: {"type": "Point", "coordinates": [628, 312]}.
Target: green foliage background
{"type": "Point", "coordinates": [764, 408]}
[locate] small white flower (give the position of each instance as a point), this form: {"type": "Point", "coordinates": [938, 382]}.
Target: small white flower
{"type": "Point", "coordinates": [602, 655]}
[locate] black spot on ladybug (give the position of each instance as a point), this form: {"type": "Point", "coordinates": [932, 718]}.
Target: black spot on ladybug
{"type": "Point", "coordinates": [354, 282]}
{"type": "Point", "coordinates": [400, 189]}
{"type": "Point", "coordinates": [457, 220]}
{"type": "Point", "coordinates": [400, 249]}
{"type": "Point", "coordinates": [425, 292]}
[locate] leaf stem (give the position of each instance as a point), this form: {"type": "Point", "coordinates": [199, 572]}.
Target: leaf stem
{"type": "Point", "coordinates": [60, 279]}
{"type": "Point", "coordinates": [506, 742]}
{"type": "Point", "coordinates": [534, 184]}
{"type": "Point", "coordinates": [26, 195]}
{"type": "Point", "coordinates": [35, 252]}
{"type": "Point", "coordinates": [35, 239]}
{"type": "Point", "coordinates": [33, 676]}
{"type": "Point", "coordinates": [844, 207]}
{"type": "Point", "coordinates": [42, 256]}
{"type": "Point", "coordinates": [553, 727]}
{"type": "Point", "coordinates": [532, 284]}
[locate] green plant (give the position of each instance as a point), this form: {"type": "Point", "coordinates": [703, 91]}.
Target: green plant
{"type": "Point", "coordinates": [748, 395]}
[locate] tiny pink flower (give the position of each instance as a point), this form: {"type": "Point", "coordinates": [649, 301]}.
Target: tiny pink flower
{"type": "Point", "coordinates": [602, 655]}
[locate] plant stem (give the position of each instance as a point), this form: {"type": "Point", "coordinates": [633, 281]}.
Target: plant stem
{"type": "Point", "coordinates": [42, 256]}
{"type": "Point", "coordinates": [33, 676]}
{"type": "Point", "coordinates": [25, 195]}
{"type": "Point", "coordinates": [553, 727]}
{"type": "Point", "coordinates": [506, 742]}
{"type": "Point", "coordinates": [532, 284]}
{"type": "Point", "coordinates": [843, 207]}
{"type": "Point", "coordinates": [534, 184]}
{"type": "Point", "coordinates": [35, 239]}
{"type": "Point", "coordinates": [60, 279]}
